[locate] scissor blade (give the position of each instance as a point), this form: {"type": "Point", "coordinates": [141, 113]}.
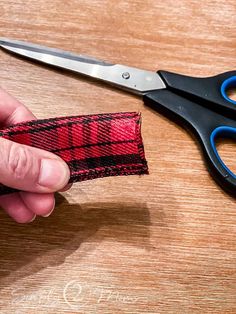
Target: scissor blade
{"type": "Point", "coordinates": [129, 78]}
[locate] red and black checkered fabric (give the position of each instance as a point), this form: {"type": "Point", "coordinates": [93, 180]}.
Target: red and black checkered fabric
{"type": "Point", "coordinates": [93, 146]}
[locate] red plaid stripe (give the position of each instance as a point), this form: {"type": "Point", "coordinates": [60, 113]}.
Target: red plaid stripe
{"type": "Point", "coordinates": [93, 146]}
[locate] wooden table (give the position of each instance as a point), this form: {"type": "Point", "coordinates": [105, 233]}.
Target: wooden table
{"type": "Point", "coordinates": [162, 243]}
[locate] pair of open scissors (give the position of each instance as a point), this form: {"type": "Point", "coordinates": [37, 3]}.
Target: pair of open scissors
{"type": "Point", "coordinates": [199, 104]}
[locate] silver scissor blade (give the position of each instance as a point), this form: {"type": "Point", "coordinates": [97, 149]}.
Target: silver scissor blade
{"type": "Point", "coordinates": [129, 78]}
{"type": "Point", "coordinates": [21, 47]}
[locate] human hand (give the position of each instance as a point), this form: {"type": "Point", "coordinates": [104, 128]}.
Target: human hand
{"type": "Point", "coordinates": [36, 172]}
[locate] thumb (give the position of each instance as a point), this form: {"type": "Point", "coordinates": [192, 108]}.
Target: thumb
{"type": "Point", "coordinates": [31, 169]}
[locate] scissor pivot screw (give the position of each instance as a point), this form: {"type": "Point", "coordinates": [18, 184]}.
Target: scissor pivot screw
{"type": "Point", "coordinates": [126, 75]}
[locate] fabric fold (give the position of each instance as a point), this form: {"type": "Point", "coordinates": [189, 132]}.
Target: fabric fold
{"type": "Point", "coordinates": [93, 146]}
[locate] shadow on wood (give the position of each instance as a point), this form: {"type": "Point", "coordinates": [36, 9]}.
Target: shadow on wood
{"type": "Point", "coordinates": [27, 249]}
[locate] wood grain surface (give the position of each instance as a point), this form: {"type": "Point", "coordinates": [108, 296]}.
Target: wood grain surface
{"type": "Point", "coordinates": [161, 243]}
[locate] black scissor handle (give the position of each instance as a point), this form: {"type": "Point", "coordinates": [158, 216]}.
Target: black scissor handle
{"type": "Point", "coordinates": [206, 126]}
{"type": "Point", "coordinates": [210, 91]}
{"type": "Point", "coordinates": [218, 169]}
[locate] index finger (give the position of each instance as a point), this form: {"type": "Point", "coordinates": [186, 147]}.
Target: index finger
{"type": "Point", "coordinates": [13, 111]}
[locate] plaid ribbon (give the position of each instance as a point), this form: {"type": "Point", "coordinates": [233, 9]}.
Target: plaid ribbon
{"type": "Point", "coordinates": [93, 146]}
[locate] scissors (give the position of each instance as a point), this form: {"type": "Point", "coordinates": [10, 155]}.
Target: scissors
{"type": "Point", "coordinates": [201, 105]}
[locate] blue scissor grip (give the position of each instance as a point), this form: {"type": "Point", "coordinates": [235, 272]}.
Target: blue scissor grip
{"type": "Point", "coordinates": [224, 131]}
{"type": "Point", "coordinates": [228, 83]}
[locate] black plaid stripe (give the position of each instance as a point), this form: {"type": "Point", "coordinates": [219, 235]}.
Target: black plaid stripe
{"type": "Point", "coordinates": [101, 130]}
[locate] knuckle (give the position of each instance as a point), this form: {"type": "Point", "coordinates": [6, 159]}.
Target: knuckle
{"type": "Point", "coordinates": [19, 161]}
